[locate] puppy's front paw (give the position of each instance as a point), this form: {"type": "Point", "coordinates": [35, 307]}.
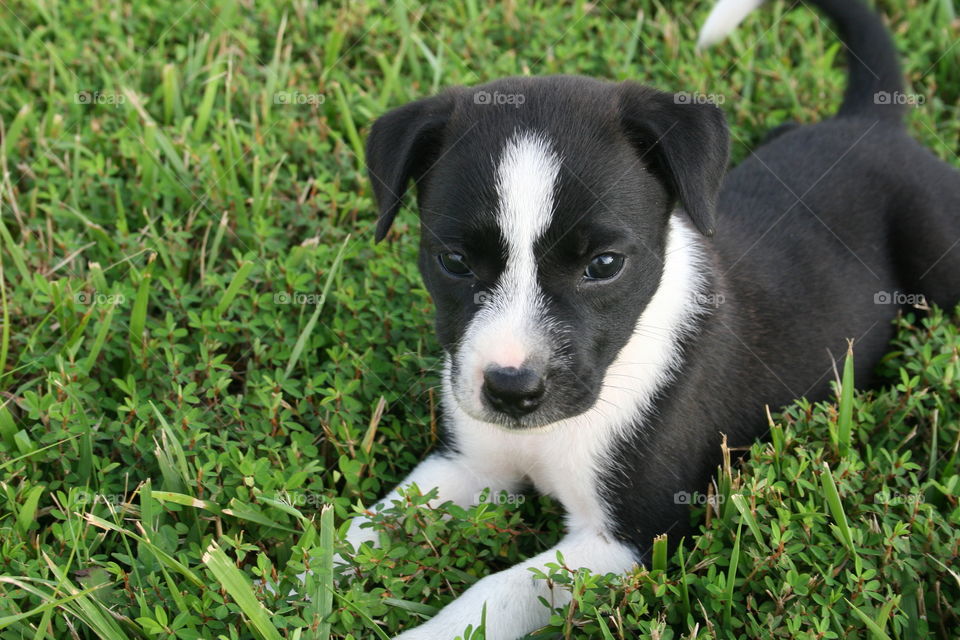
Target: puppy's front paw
{"type": "Point", "coordinates": [426, 631]}
{"type": "Point", "coordinates": [420, 633]}
{"type": "Point", "coordinates": [453, 621]}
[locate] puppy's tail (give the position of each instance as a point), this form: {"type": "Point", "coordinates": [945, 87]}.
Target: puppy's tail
{"type": "Point", "coordinates": [875, 87]}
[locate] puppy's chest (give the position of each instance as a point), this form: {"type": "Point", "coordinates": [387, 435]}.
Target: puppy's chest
{"type": "Point", "coordinates": [564, 465]}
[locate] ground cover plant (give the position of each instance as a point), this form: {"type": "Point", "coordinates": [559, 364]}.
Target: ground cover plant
{"type": "Point", "coordinates": [206, 363]}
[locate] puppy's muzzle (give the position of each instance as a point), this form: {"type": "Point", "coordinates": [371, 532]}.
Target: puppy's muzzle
{"type": "Point", "coordinates": [513, 391]}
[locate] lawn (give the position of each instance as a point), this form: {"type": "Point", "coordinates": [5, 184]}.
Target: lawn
{"type": "Point", "coordinates": [206, 363]}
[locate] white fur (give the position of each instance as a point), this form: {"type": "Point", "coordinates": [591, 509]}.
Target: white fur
{"type": "Point", "coordinates": [565, 459]}
{"type": "Point", "coordinates": [723, 19]}
{"type": "Point", "coordinates": [508, 330]}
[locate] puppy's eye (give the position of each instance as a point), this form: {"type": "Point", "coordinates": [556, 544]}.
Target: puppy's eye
{"type": "Point", "coordinates": [604, 266]}
{"type": "Point", "coordinates": [454, 264]}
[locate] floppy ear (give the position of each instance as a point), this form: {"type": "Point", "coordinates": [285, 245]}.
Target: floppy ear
{"type": "Point", "coordinates": [404, 144]}
{"type": "Point", "coordinates": [687, 144]}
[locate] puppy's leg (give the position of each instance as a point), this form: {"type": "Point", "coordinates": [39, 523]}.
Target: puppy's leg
{"type": "Point", "coordinates": [453, 475]}
{"type": "Point", "coordinates": [512, 596]}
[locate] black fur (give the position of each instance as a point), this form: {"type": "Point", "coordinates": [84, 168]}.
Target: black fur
{"type": "Point", "coordinates": [877, 213]}
{"type": "Point", "coordinates": [688, 145]}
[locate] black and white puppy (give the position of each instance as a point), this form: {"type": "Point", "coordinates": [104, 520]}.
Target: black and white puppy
{"type": "Point", "coordinates": [599, 336]}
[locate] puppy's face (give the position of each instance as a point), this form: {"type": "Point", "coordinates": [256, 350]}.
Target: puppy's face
{"type": "Point", "coordinates": [539, 264]}
{"type": "Point", "coordinates": [544, 208]}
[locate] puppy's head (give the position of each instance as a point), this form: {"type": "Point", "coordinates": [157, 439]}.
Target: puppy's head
{"type": "Point", "coordinates": [544, 206]}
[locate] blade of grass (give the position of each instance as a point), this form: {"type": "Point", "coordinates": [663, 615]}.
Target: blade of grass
{"type": "Point", "coordinates": [835, 506]}
{"type": "Point", "coordinates": [239, 279]}
{"type": "Point", "coordinates": [217, 238]}
{"type": "Point", "coordinates": [169, 75]}
{"type": "Point", "coordinates": [934, 444]}
{"type": "Point", "coordinates": [8, 429]}
{"type": "Point", "coordinates": [832, 497]}
{"type": "Point", "coordinates": [240, 589]}
{"type": "Point", "coordinates": [16, 253]}
{"type": "Point", "coordinates": [348, 125]}
{"type": "Point", "coordinates": [321, 601]}
{"type": "Point", "coordinates": [50, 601]}
{"type": "Point", "coordinates": [740, 502]}
{"type": "Point", "coordinates": [660, 553]}
{"type": "Point", "coordinates": [173, 462]}
{"type": "Point", "coordinates": [363, 616]}
{"type": "Point", "coordinates": [684, 587]}
{"type": "Point", "coordinates": [732, 577]}
{"type": "Point", "coordinates": [875, 630]}
{"type": "Point", "coordinates": [845, 419]}
{"type": "Point", "coordinates": [244, 512]}
{"type": "Point", "coordinates": [44, 624]}
{"type": "Point", "coordinates": [28, 511]}
{"type": "Point", "coordinates": [5, 335]}
{"type": "Point", "coordinates": [206, 104]}
{"type": "Point", "coordinates": [138, 316]}
{"type": "Point", "coordinates": [162, 555]}
{"type": "Point", "coordinates": [413, 607]}
{"type": "Point", "coordinates": [307, 330]}
{"type": "Point", "coordinates": [58, 443]}
{"type": "Point", "coordinates": [12, 134]}
{"type": "Point", "coordinates": [92, 612]}
{"type": "Point", "coordinates": [103, 330]}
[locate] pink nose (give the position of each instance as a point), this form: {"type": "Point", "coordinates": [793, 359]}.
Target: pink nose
{"type": "Point", "coordinates": [505, 351]}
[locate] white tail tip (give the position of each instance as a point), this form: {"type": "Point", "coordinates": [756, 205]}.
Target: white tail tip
{"type": "Point", "coordinates": [724, 18]}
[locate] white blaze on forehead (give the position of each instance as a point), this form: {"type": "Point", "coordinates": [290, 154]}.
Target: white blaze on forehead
{"type": "Point", "coordinates": [526, 179]}
{"type": "Point", "coordinates": [508, 331]}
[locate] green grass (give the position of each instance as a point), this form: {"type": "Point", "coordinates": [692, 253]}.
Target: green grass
{"type": "Point", "coordinates": [202, 348]}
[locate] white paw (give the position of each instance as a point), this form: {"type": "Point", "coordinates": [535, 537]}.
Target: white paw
{"type": "Point", "coordinates": [450, 623]}
{"type": "Point", "coordinates": [419, 633]}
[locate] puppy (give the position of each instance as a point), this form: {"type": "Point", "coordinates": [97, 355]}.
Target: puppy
{"type": "Point", "coordinates": [610, 303]}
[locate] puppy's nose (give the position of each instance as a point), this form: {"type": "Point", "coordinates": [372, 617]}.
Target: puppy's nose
{"type": "Point", "coordinates": [513, 391]}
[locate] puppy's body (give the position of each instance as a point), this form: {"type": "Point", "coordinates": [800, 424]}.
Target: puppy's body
{"type": "Point", "coordinates": [598, 344]}
{"type": "Point", "coordinates": [797, 279]}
